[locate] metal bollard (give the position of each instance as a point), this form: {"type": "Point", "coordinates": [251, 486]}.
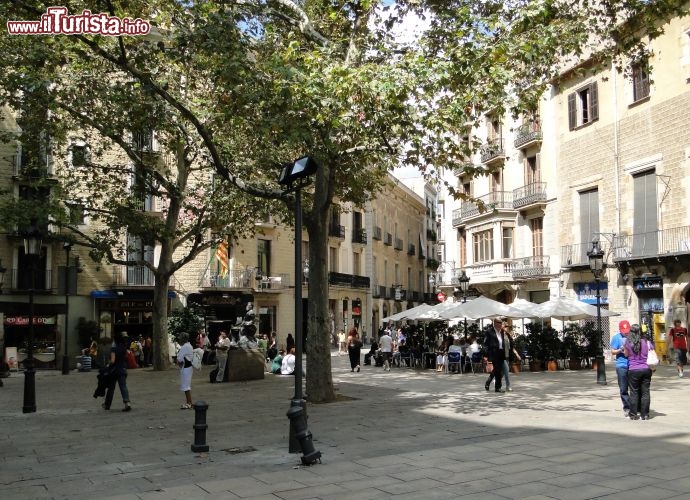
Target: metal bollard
{"type": "Point", "coordinates": [298, 423]}
{"type": "Point", "coordinates": [294, 446]}
{"type": "Point", "coordinates": [200, 427]}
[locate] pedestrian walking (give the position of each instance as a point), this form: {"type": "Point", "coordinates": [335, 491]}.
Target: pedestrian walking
{"type": "Point", "coordinates": [184, 361]}
{"type": "Point", "coordinates": [118, 371]}
{"type": "Point", "coordinates": [636, 346]}
{"type": "Point", "coordinates": [354, 349]}
{"type": "Point", "coordinates": [386, 346]}
{"type": "Point", "coordinates": [617, 343]}
{"type": "Point", "coordinates": [679, 336]}
{"type": "Point", "coordinates": [495, 341]}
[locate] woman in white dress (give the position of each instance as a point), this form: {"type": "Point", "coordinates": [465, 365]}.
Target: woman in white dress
{"type": "Point", "coordinates": [184, 361]}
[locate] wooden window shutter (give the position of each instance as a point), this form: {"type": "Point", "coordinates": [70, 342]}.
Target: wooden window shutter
{"type": "Point", "coordinates": [572, 112]}
{"type": "Point", "coordinates": [593, 102]}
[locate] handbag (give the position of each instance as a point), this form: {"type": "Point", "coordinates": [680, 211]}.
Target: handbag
{"type": "Point", "coordinates": [652, 358]}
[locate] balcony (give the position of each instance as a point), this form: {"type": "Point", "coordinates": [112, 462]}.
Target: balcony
{"type": "Point", "coordinates": [397, 294]}
{"type": "Point", "coordinates": [431, 235]}
{"type": "Point", "coordinates": [398, 244]}
{"type": "Point", "coordinates": [576, 255]}
{"type": "Point", "coordinates": [388, 239]}
{"type": "Point", "coordinates": [359, 236]}
{"type": "Point", "coordinates": [145, 142]}
{"type": "Point", "coordinates": [529, 195]}
{"type": "Point", "coordinates": [133, 276]}
{"type": "Point", "coordinates": [492, 271]}
{"type": "Point", "coordinates": [377, 290]}
{"type": "Point", "coordinates": [336, 231]}
{"type": "Point", "coordinates": [281, 281]}
{"type": "Point", "coordinates": [488, 203]}
{"type": "Point", "coordinates": [149, 204]}
{"type": "Point", "coordinates": [658, 244]}
{"type": "Point", "coordinates": [535, 266]}
{"type": "Point", "coordinates": [528, 134]}
{"type": "Point", "coordinates": [411, 249]}
{"type": "Point", "coordinates": [416, 296]}
{"type": "Point", "coordinates": [43, 280]}
{"type": "Point", "coordinates": [377, 233]}
{"type": "Point", "coordinates": [351, 280]}
{"type": "Point", "coordinates": [23, 169]}
{"type": "Point", "coordinates": [235, 278]}
{"type": "Point", "coordinates": [493, 151]}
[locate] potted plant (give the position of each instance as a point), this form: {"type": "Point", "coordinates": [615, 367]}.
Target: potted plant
{"type": "Point", "coordinates": [552, 347]}
{"type": "Point", "coordinates": [572, 346]}
{"type": "Point", "coordinates": [533, 346]}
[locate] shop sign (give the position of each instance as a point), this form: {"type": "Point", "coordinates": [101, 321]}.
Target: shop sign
{"type": "Point", "coordinates": [24, 320]}
{"type": "Point", "coordinates": [441, 296]}
{"type": "Point", "coordinates": [644, 284]}
{"type": "Point", "coordinates": [127, 304]}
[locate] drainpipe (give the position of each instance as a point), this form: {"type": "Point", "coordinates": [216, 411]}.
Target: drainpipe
{"type": "Point", "coordinates": [616, 149]}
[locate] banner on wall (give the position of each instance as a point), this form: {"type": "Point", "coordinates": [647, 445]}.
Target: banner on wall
{"type": "Point", "coordinates": [587, 292]}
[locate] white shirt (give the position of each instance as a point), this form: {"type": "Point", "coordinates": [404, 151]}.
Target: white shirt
{"type": "Point", "coordinates": [499, 336]}
{"type": "Point", "coordinates": [185, 352]}
{"type": "Point", "coordinates": [223, 342]}
{"type": "Point", "coordinates": [386, 343]}
{"type": "Point", "coordinates": [287, 367]}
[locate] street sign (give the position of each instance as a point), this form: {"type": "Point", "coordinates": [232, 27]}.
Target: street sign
{"type": "Point", "coordinates": [441, 296]}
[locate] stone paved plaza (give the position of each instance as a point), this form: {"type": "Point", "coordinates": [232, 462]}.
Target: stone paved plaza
{"type": "Point", "coordinates": [405, 434]}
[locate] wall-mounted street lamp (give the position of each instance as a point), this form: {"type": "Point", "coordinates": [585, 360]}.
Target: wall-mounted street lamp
{"type": "Point", "coordinates": [597, 265]}
{"type": "Point", "coordinates": [305, 270]}
{"type": "Point", "coordinates": [33, 243]}
{"type": "Point", "coordinates": [294, 177]}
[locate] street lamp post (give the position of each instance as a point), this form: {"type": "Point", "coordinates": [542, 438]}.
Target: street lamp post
{"type": "Point", "coordinates": [464, 281]}
{"type": "Point", "coordinates": [65, 357]}
{"type": "Point", "coordinates": [597, 265]}
{"type": "Point", "coordinates": [294, 177]}
{"type": "Point", "coordinates": [32, 250]}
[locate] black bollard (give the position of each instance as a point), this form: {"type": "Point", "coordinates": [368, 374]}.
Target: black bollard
{"type": "Point", "coordinates": [298, 424]}
{"type": "Point", "coordinates": [294, 446]}
{"type": "Point", "coordinates": [200, 427]}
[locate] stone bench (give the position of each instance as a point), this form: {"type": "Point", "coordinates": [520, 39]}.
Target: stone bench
{"type": "Point", "coordinates": [245, 364]}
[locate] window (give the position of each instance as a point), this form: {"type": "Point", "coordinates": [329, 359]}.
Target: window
{"type": "Point", "coordinates": [537, 227]}
{"type": "Point", "coordinates": [583, 106]}
{"type": "Point", "coordinates": [640, 77]}
{"type": "Point", "coordinates": [263, 256]}
{"type": "Point", "coordinates": [78, 154]}
{"type": "Point", "coordinates": [357, 263]}
{"type": "Point", "coordinates": [76, 213]}
{"type": "Point", "coordinates": [532, 173]}
{"type": "Point", "coordinates": [483, 246]}
{"type": "Point", "coordinates": [508, 242]}
{"type": "Point", "coordinates": [462, 238]}
{"type": "Point", "coordinates": [333, 259]}
{"type": "Point", "coordinates": [589, 215]}
{"type": "Point", "coordinates": [645, 218]}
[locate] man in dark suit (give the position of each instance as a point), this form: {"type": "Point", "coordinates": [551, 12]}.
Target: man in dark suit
{"type": "Point", "coordinates": [494, 342]}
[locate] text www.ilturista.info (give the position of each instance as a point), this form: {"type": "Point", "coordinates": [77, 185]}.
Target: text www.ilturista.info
{"type": "Point", "coordinates": [56, 21]}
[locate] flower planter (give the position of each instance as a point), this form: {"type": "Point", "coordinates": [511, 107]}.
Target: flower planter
{"type": "Point", "coordinates": [535, 366]}
{"type": "Point", "coordinates": [552, 365]}
{"type": "Point", "coordinates": [515, 367]}
{"type": "Point", "coordinates": [575, 364]}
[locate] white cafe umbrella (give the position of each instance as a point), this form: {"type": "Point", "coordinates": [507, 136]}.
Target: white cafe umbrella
{"type": "Point", "coordinates": [527, 308]}
{"type": "Point", "coordinates": [567, 309]}
{"type": "Point", "coordinates": [481, 307]}
{"type": "Point", "coordinates": [407, 313]}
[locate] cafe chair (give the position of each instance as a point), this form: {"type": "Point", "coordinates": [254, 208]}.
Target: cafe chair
{"type": "Point", "coordinates": [454, 358]}
{"type": "Point", "coordinates": [477, 362]}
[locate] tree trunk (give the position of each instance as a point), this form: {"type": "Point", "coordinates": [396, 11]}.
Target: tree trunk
{"type": "Point", "coordinates": [318, 349]}
{"type": "Point", "coordinates": [161, 356]}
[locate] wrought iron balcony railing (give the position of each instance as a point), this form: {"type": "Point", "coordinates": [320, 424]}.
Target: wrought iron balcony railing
{"type": "Point", "coordinates": [529, 195]}
{"type": "Point", "coordinates": [528, 133]}
{"type": "Point", "coordinates": [672, 241]}
{"type": "Point", "coordinates": [531, 267]}
{"type": "Point", "coordinates": [492, 150]}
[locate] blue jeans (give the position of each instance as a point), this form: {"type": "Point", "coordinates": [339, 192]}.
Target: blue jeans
{"type": "Point", "coordinates": [622, 374]}
{"type": "Point", "coordinates": [122, 382]}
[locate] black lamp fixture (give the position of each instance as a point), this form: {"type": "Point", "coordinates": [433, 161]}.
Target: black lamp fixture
{"type": "Point", "coordinates": [294, 177]}
{"type": "Point", "coordinates": [32, 250]}
{"type": "Point", "coordinates": [597, 265]}
{"type": "Point", "coordinates": [305, 270]}
{"type": "Point", "coordinates": [464, 282]}
{"type": "Point", "coordinates": [301, 168]}
{"type": "Point", "coordinates": [432, 281]}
